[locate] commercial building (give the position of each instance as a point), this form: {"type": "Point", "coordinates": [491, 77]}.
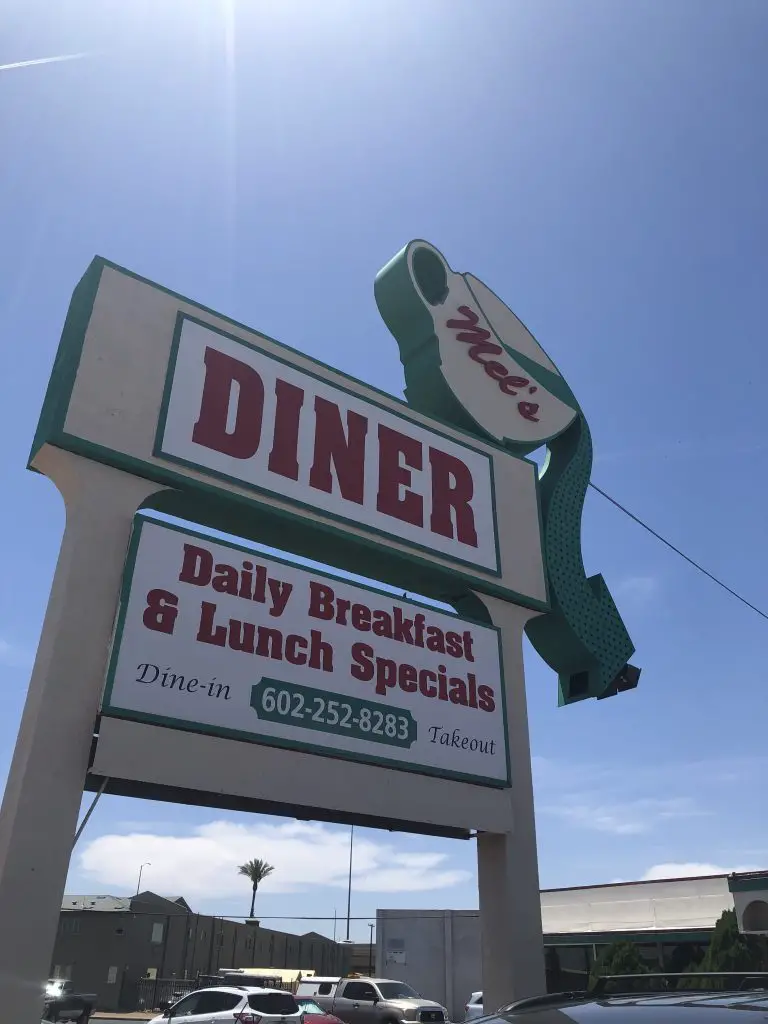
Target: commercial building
{"type": "Point", "coordinates": [362, 957]}
{"type": "Point", "coordinates": [670, 920]}
{"type": "Point", "coordinates": [114, 946]}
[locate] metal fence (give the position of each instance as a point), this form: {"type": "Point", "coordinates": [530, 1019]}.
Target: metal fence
{"type": "Point", "coordinates": [154, 992]}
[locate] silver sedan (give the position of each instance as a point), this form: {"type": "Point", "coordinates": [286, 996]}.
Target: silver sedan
{"type": "Point", "coordinates": [474, 1007]}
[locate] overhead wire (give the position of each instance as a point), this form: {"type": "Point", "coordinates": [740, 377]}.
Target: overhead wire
{"type": "Point", "coordinates": [677, 551]}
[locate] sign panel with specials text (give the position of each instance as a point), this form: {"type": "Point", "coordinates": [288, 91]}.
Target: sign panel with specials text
{"type": "Point", "coordinates": [292, 452]}
{"type": "Point", "coordinates": [215, 637]}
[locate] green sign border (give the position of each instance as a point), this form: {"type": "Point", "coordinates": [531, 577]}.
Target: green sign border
{"type": "Point", "coordinates": [221, 509]}
{"type": "Point", "coordinates": [310, 748]}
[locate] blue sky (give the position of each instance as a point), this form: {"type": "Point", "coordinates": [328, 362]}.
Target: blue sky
{"type": "Point", "coordinates": [602, 166]}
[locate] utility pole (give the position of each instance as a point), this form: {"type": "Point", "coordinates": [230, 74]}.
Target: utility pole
{"type": "Point", "coordinates": [349, 888]}
{"type": "Point", "coordinates": [146, 864]}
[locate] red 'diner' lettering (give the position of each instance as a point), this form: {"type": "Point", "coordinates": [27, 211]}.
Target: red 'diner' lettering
{"type": "Point", "coordinates": [408, 469]}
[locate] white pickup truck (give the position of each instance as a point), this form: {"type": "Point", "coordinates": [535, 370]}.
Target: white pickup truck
{"type": "Point", "coordinates": [357, 1000]}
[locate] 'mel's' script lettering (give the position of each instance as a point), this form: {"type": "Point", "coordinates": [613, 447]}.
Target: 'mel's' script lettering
{"type": "Point", "coordinates": [481, 346]}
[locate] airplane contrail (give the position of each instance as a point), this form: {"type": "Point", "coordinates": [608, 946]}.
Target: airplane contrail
{"type": "Point", "coordinates": [42, 60]}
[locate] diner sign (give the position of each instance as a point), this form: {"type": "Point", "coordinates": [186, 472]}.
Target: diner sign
{"type": "Point", "coordinates": [217, 638]}
{"type": "Point", "coordinates": [241, 414]}
{"type": "Point", "coordinates": [261, 441]}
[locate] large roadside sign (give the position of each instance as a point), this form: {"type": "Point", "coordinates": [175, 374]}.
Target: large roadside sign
{"type": "Point", "coordinates": [202, 671]}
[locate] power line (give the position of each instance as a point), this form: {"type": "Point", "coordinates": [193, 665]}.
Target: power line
{"type": "Point", "coordinates": [677, 551]}
{"type": "Point", "coordinates": [233, 918]}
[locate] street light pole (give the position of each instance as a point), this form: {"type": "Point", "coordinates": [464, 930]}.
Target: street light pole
{"type": "Point", "coordinates": [349, 888]}
{"type": "Point", "coordinates": [370, 952]}
{"type": "Point", "coordinates": [146, 864]}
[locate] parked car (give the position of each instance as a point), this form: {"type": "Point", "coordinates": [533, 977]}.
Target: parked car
{"type": "Point", "coordinates": [234, 1004]}
{"type": "Point", "coordinates": [357, 1000]}
{"type": "Point", "coordinates": [474, 1007]}
{"type": "Point", "coordinates": [63, 1003]}
{"type": "Point", "coordinates": [314, 1014]}
{"type": "Point", "coordinates": [645, 999]}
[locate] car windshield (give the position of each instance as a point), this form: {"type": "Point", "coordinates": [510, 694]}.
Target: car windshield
{"type": "Point", "coordinates": [307, 1006]}
{"type": "Point", "coordinates": [396, 990]}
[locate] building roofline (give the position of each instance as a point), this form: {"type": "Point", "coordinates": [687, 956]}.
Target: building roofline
{"type": "Point", "coordinates": [641, 881]}
{"type": "Point", "coordinates": [97, 902]}
{"type": "Point", "coordinates": [610, 885]}
{"type": "Point", "coordinates": [748, 881]}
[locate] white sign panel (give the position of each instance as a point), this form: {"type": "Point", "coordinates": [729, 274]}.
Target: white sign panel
{"type": "Point", "coordinates": [244, 415]}
{"type": "Point", "coordinates": [213, 637]}
{"type": "Point", "coordinates": [157, 386]}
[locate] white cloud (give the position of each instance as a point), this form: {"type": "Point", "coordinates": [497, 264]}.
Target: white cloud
{"type": "Point", "coordinates": [14, 656]}
{"type": "Point", "coordinates": [42, 60]}
{"type": "Point", "coordinates": [625, 818]}
{"type": "Point", "coordinates": [638, 590]}
{"type": "Point", "coordinates": [691, 869]}
{"type": "Point", "coordinates": [204, 862]}
{"type": "Point", "coordinates": [654, 810]}
{"type": "Point", "coordinates": [553, 775]}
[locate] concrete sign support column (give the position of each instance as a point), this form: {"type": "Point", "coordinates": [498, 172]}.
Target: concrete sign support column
{"type": "Point", "coordinates": [512, 949]}
{"type": "Point", "coordinates": [45, 785]}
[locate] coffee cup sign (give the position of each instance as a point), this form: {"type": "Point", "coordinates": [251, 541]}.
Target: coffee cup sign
{"type": "Point", "coordinates": [494, 373]}
{"type": "Point", "coordinates": [469, 360]}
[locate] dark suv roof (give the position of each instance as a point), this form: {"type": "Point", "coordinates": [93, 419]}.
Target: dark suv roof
{"type": "Point", "coordinates": [614, 1002]}
{"type": "Point", "coordinates": [664, 1008]}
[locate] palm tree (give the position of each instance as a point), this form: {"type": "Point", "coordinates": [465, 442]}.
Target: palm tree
{"type": "Point", "coordinates": [257, 870]}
